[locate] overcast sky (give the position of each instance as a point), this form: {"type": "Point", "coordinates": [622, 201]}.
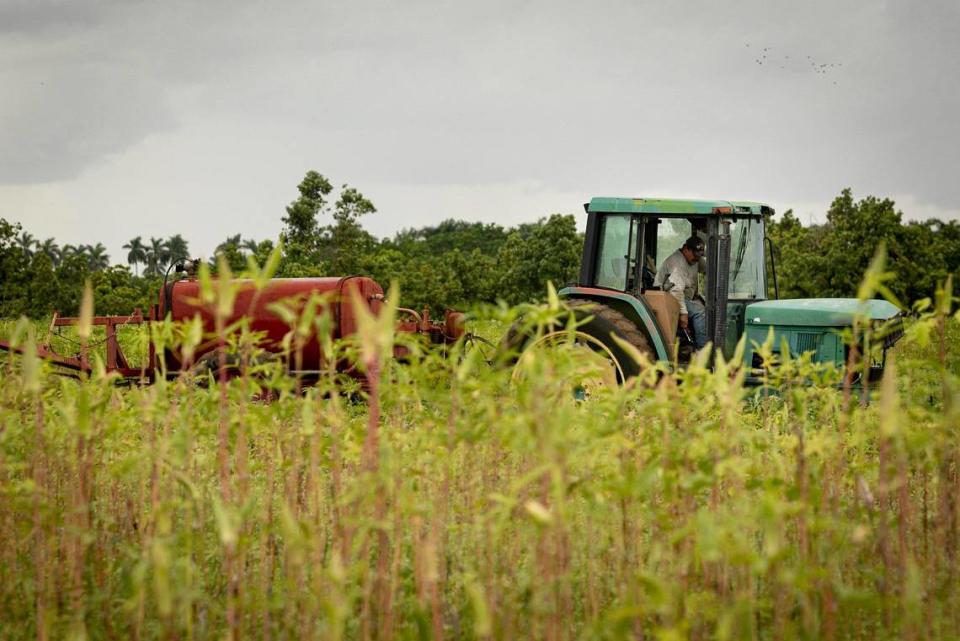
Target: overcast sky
{"type": "Point", "coordinates": [120, 119]}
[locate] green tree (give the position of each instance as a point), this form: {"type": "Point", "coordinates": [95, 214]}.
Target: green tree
{"type": "Point", "coordinates": [136, 253]}
{"type": "Point", "coordinates": [800, 265]}
{"type": "Point", "coordinates": [449, 235]}
{"type": "Point", "coordinates": [158, 256]}
{"type": "Point", "coordinates": [97, 257]}
{"type": "Point", "coordinates": [44, 288]}
{"type": "Point", "coordinates": [51, 249]}
{"type": "Point", "coordinates": [829, 260]}
{"type": "Point", "coordinates": [116, 291]}
{"type": "Point", "coordinates": [68, 250]}
{"type": "Point", "coordinates": [69, 278]}
{"type": "Point", "coordinates": [855, 229]}
{"type": "Point", "coordinates": [230, 241]}
{"type": "Point", "coordinates": [534, 254]}
{"type": "Point", "coordinates": [27, 243]}
{"type": "Point", "coordinates": [177, 248]}
{"type": "Point", "coordinates": [262, 250]}
{"type": "Point", "coordinates": [345, 243]}
{"type": "Point", "coordinates": [13, 263]}
{"type": "Point", "coordinates": [477, 275]}
{"type": "Point", "coordinates": [231, 250]}
{"type": "Point", "coordinates": [301, 225]}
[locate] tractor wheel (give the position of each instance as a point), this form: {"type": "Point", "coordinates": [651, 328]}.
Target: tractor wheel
{"type": "Point", "coordinates": [595, 334]}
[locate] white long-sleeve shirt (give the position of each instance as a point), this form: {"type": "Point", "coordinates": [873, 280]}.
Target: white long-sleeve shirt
{"type": "Point", "coordinates": [680, 278]}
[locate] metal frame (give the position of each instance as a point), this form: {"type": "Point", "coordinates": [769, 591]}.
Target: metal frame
{"type": "Point", "coordinates": [80, 364]}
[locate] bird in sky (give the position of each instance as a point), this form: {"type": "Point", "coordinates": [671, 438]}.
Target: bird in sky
{"type": "Point", "coordinates": [784, 62]}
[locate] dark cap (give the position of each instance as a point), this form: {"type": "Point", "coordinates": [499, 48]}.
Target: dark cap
{"type": "Point", "coordinates": [694, 244]}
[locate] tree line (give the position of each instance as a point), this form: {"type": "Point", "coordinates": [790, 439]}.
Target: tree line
{"type": "Point", "coordinates": [829, 259]}
{"type": "Point", "coordinates": [452, 264]}
{"type": "Point", "coordinates": [457, 263]}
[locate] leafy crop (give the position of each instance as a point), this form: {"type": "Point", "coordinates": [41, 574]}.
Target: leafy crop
{"type": "Point", "coordinates": [442, 497]}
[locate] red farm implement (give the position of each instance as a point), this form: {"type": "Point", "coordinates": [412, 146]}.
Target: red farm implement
{"type": "Point", "coordinates": [179, 301]}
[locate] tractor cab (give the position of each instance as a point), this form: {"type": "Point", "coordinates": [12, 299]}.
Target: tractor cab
{"type": "Point", "coordinates": [628, 240]}
{"type": "Point", "coordinates": [619, 301]}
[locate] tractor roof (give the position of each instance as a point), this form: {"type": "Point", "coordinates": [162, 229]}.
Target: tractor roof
{"type": "Point", "coordinates": [674, 206]}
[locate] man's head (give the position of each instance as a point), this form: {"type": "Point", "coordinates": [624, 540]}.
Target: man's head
{"type": "Point", "coordinates": [692, 249]}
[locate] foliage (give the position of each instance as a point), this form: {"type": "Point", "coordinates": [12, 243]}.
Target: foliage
{"type": "Point", "coordinates": [450, 235]}
{"type": "Point", "coordinates": [345, 242]}
{"type": "Point", "coordinates": [453, 264]}
{"type": "Point", "coordinates": [301, 229]}
{"type": "Point", "coordinates": [37, 283]}
{"type": "Point", "coordinates": [456, 500]}
{"type": "Point", "coordinates": [547, 251]}
{"type": "Point", "coordinates": [136, 252]}
{"type": "Point", "coordinates": [827, 260]}
{"type": "Point", "coordinates": [459, 264]}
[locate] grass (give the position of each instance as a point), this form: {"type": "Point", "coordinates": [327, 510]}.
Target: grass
{"type": "Point", "coordinates": [449, 500]}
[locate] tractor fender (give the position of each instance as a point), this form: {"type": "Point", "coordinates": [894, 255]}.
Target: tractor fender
{"type": "Point", "coordinates": [636, 309]}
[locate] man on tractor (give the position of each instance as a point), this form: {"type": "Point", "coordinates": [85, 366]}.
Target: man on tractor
{"type": "Point", "coordinates": [626, 307]}
{"type": "Point", "coordinates": [680, 275]}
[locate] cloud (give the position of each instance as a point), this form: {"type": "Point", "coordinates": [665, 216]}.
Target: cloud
{"type": "Point", "coordinates": [207, 114]}
{"type": "Point", "coordinates": [72, 94]}
{"type": "Point", "coordinates": [64, 120]}
{"type": "Point", "coordinates": [50, 17]}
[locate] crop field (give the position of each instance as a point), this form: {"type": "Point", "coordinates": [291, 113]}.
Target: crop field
{"type": "Point", "coordinates": [445, 497]}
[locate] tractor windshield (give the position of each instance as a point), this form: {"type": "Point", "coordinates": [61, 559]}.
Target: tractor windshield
{"type": "Point", "coordinates": [746, 259]}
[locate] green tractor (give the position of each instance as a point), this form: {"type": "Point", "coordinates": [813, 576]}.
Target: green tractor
{"type": "Point", "coordinates": [627, 239]}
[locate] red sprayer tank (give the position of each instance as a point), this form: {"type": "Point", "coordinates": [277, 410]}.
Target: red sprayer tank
{"type": "Point", "coordinates": [182, 300]}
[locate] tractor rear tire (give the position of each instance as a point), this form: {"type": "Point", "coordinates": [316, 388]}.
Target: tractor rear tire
{"type": "Point", "coordinates": [603, 322]}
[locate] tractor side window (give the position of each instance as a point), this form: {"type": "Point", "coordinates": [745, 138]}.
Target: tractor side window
{"type": "Point", "coordinates": [612, 257]}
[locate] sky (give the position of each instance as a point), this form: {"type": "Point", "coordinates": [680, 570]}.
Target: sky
{"type": "Point", "coordinates": [135, 118]}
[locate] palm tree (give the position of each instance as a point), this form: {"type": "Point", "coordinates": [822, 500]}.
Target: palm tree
{"type": "Point", "coordinates": [231, 240]}
{"type": "Point", "coordinates": [177, 248]}
{"type": "Point", "coordinates": [27, 243]}
{"type": "Point", "coordinates": [97, 257]}
{"type": "Point", "coordinates": [136, 254]}
{"type": "Point", "coordinates": [84, 252]}
{"type": "Point", "coordinates": [67, 251]}
{"type": "Point", "coordinates": [157, 257]}
{"type": "Point", "coordinates": [251, 245]}
{"type": "Point", "coordinates": [50, 248]}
